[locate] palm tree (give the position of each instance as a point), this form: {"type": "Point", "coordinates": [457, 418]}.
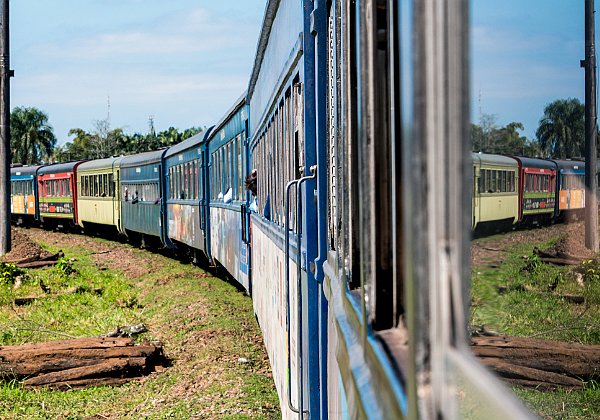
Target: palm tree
{"type": "Point", "coordinates": [561, 131]}
{"type": "Point", "coordinates": [31, 137]}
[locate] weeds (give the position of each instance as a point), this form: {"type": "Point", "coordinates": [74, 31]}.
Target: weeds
{"type": "Point", "coordinates": [522, 297]}
{"type": "Point", "coordinates": [9, 272]}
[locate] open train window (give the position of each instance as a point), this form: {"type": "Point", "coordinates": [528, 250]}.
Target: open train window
{"type": "Point", "coordinates": [376, 155]}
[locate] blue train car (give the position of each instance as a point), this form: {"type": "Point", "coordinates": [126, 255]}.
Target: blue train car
{"type": "Point", "coordinates": [142, 189]}
{"type": "Point", "coordinates": [358, 261]}
{"type": "Point", "coordinates": [24, 193]}
{"type": "Point", "coordinates": [287, 299]}
{"type": "Point", "coordinates": [570, 188]}
{"type": "Point", "coordinates": [184, 163]}
{"type": "Point", "coordinates": [227, 194]}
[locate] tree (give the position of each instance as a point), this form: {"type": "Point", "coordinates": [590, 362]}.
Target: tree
{"type": "Point", "coordinates": [561, 132]}
{"type": "Point", "coordinates": [488, 137]}
{"type": "Point", "coordinates": [104, 142]}
{"type": "Point", "coordinates": [32, 138]}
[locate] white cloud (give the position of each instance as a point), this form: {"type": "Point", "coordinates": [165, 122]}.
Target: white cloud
{"type": "Point", "coordinates": [190, 33]}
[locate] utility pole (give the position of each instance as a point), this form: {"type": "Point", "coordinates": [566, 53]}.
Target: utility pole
{"type": "Point", "coordinates": [5, 74]}
{"type": "Point", "coordinates": [591, 182]}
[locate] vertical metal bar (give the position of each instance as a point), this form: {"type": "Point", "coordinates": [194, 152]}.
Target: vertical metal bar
{"type": "Point", "coordinates": [287, 290]}
{"type": "Point", "coordinates": [591, 206]}
{"type": "Point", "coordinates": [4, 132]}
{"type": "Point", "coordinates": [313, 170]}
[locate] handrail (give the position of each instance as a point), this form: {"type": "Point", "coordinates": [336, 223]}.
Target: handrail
{"type": "Point", "coordinates": [287, 292]}
{"type": "Point", "coordinates": [313, 170]}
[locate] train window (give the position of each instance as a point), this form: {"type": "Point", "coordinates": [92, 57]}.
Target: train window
{"type": "Point", "coordinates": [215, 174]}
{"type": "Point", "coordinates": [105, 191]}
{"type": "Point", "coordinates": [189, 184]}
{"type": "Point", "coordinates": [111, 185]}
{"type": "Point", "coordinates": [179, 182]}
{"type": "Point", "coordinates": [229, 168]}
{"type": "Point", "coordinates": [240, 171]}
{"type": "Point", "coordinates": [191, 168]}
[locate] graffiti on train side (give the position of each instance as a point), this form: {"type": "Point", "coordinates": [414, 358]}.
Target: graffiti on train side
{"type": "Point", "coordinates": [226, 243]}
{"type": "Point", "coordinates": [183, 223]}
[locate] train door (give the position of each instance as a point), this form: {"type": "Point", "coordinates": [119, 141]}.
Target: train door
{"type": "Point", "coordinates": [476, 201]}
{"type": "Point", "coordinates": [117, 199]}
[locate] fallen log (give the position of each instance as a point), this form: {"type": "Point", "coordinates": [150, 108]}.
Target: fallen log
{"type": "Point", "coordinates": [22, 301]}
{"type": "Point", "coordinates": [76, 363]}
{"type": "Point", "coordinates": [37, 264]}
{"type": "Point", "coordinates": [543, 364]}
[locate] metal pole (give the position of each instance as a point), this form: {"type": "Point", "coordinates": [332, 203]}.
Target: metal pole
{"type": "Point", "coordinates": [4, 132]}
{"type": "Point", "coordinates": [591, 206]}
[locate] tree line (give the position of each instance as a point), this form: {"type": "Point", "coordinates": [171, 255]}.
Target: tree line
{"type": "Point", "coordinates": [32, 139]}
{"type": "Point", "coordinates": [560, 134]}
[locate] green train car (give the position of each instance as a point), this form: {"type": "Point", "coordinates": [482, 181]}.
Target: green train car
{"type": "Point", "coordinates": [98, 199]}
{"type": "Point", "coordinates": [495, 189]}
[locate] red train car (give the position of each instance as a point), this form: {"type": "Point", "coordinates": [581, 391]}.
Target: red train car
{"type": "Point", "coordinates": [57, 186]}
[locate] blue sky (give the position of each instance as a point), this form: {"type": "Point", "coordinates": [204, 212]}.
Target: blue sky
{"type": "Point", "coordinates": [184, 62]}
{"type": "Point", "coordinates": [525, 54]}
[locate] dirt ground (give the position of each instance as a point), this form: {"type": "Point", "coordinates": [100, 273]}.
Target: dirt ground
{"type": "Point", "coordinates": [106, 255]}
{"type": "Point", "coordinates": [22, 247]}
{"type": "Point", "coordinates": [490, 250]}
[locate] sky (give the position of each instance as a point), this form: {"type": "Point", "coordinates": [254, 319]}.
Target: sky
{"type": "Point", "coordinates": [525, 54]}
{"type": "Point", "coordinates": [185, 62]}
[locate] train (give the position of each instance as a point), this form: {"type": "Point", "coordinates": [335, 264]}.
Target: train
{"type": "Point", "coordinates": [516, 191]}
{"type": "Point", "coordinates": [334, 192]}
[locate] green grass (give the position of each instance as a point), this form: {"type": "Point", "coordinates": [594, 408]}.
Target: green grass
{"type": "Point", "coordinates": [204, 323]}
{"type": "Point", "coordinates": [516, 298]}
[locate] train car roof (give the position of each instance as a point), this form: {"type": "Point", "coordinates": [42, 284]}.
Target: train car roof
{"type": "Point", "coordinates": [263, 40]}
{"type": "Point", "coordinates": [100, 163]}
{"type": "Point", "coordinates": [494, 159]}
{"type": "Point", "coordinates": [239, 104]}
{"type": "Point", "coordinates": [25, 170]}
{"type": "Point", "coordinates": [143, 158]}
{"type": "Point", "coordinates": [569, 164]}
{"type": "Point", "coordinates": [58, 168]}
{"type": "Point", "coordinates": [195, 140]}
{"type": "Point", "coordinates": [535, 163]}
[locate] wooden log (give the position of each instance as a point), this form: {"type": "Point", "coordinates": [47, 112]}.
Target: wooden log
{"type": "Point", "coordinates": [66, 364]}
{"type": "Point", "coordinates": [539, 363]}
{"type": "Point", "coordinates": [40, 257]}
{"type": "Point", "coordinates": [100, 369]}
{"type": "Point", "coordinates": [89, 353]}
{"type": "Point", "coordinates": [22, 301]}
{"type": "Point", "coordinates": [28, 369]}
{"type": "Point", "coordinates": [75, 343]}
{"type": "Point", "coordinates": [36, 264]}
{"type": "Point", "coordinates": [511, 371]}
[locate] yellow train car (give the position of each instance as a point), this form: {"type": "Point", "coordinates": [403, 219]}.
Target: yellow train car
{"type": "Point", "coordinates": [495, 189]}
{"type": "Point", "coordinates": [98, 196]}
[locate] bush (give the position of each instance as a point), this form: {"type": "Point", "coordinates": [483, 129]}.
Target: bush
{"type": "Point", "coordinates": [9, 272]}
